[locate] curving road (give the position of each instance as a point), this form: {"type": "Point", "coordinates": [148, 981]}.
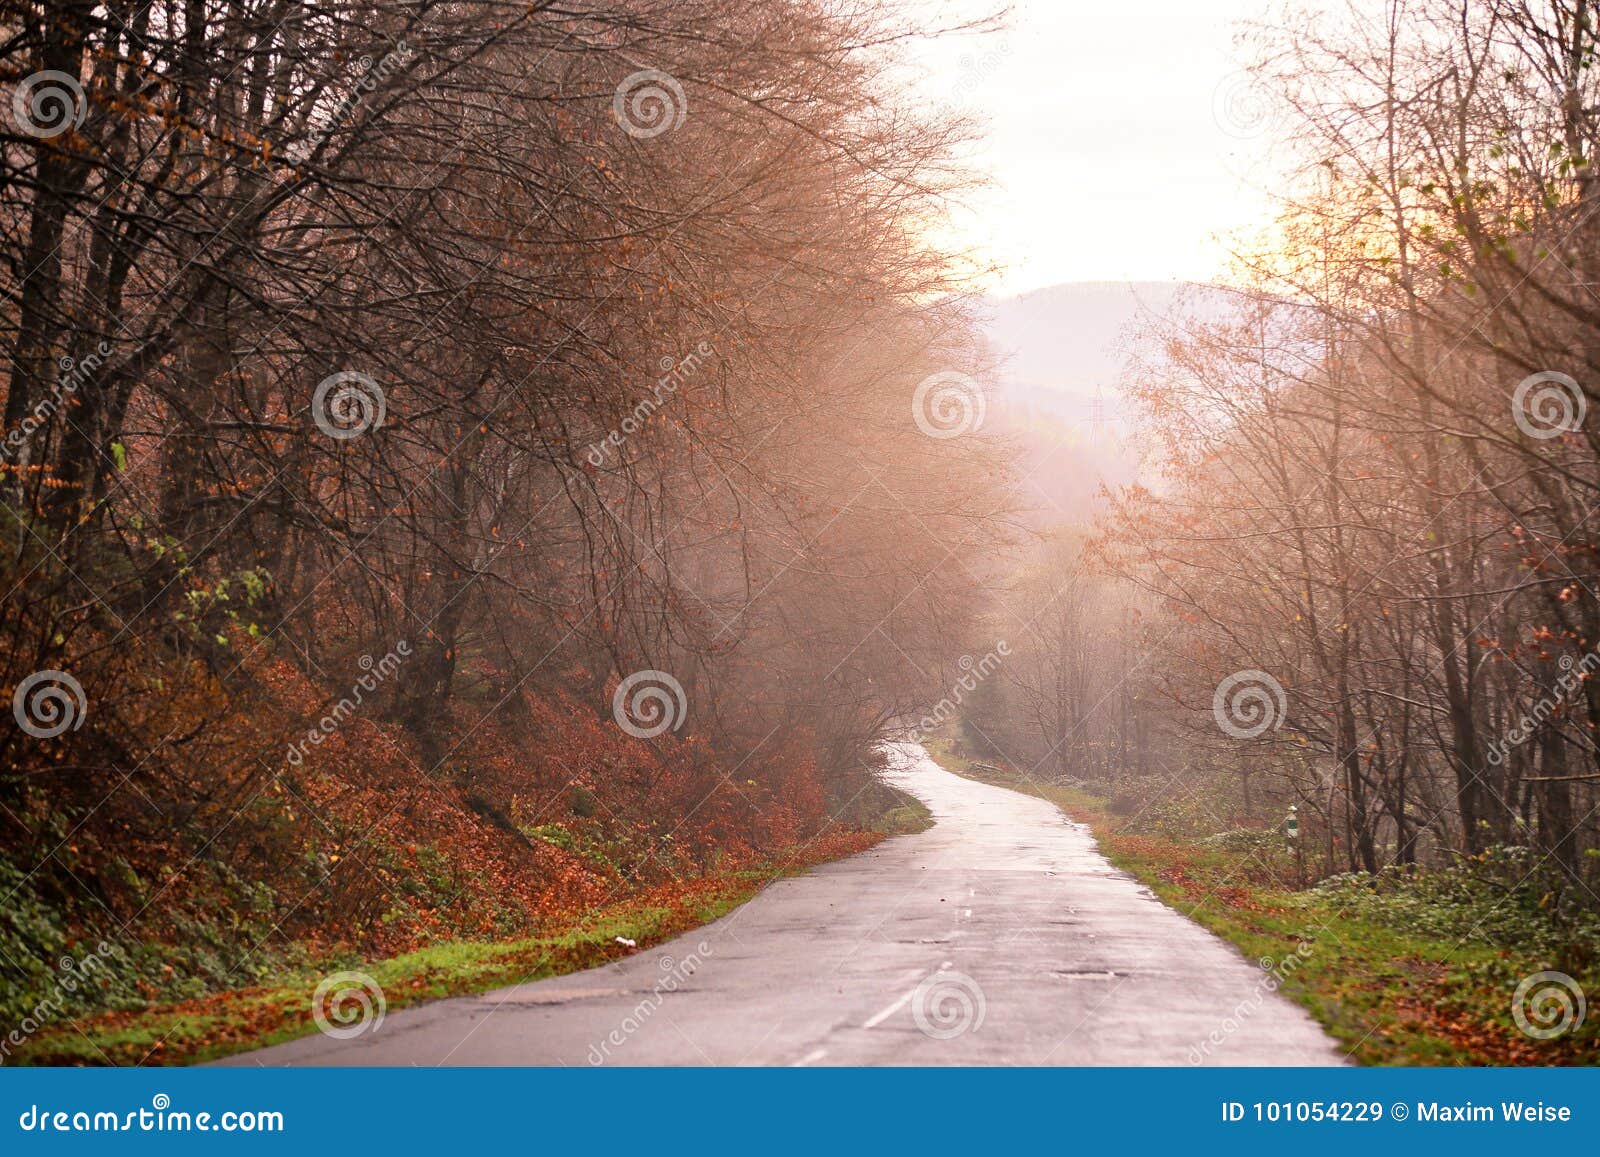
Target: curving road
{"type": "Point", "coordinates": [999, 936]}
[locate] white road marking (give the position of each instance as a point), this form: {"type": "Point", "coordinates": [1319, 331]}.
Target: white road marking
{"type": "Point", "coordinates": [810, 1058]}
{"type": "Point", "coordinates": [875, 1021]}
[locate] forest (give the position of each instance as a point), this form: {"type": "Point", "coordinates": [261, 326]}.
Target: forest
{"type": "Point", "coordinates": [391, 390]}
{"type": "Point", "coordinates": [1345, 623]}
{"type": "Point", "coordinates": [481, 483]}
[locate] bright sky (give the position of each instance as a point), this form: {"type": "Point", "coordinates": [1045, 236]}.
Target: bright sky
{"type": "Point", "coordinates": [1120, 142]}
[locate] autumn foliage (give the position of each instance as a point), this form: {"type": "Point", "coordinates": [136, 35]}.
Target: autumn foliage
{"type": "Point", "coordinates": [412, 339]}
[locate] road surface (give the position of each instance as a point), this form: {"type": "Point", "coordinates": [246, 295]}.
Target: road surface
{"type": "Point", "coordinates": [998, 936]}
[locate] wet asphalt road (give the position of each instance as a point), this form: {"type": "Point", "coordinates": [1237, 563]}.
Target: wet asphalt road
{"type": "Point", "coordinates": [999, 936]}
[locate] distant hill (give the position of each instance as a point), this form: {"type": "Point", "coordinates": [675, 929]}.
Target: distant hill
{"type": "Point", "coordinates": [1062, 351]}
{"type": "Point", "coordinates": [1069, 339]}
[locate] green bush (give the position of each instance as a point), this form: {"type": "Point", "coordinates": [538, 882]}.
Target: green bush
{"type": "Point", "coordinates": [1504, 897]}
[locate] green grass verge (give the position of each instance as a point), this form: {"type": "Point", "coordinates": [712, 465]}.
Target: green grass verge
{"type": "Point", "coordinates": [215, 1026]}
{"type": "Point", "coordinates": [906, 818]}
